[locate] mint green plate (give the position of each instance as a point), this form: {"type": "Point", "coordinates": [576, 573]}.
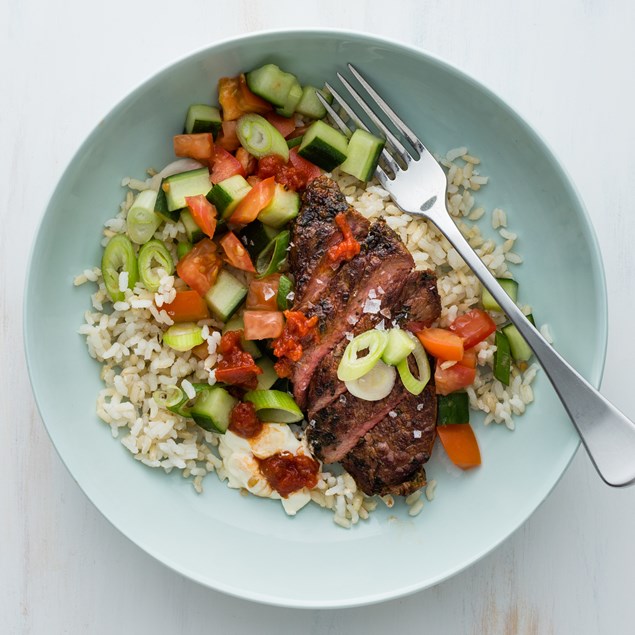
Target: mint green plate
{"type": "Point", "coordinates": [246, 546]}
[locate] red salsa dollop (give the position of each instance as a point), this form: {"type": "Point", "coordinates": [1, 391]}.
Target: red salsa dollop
{"type": "Point", "coordinates": [287, 473]}
{"type": "Point", "coordinates": [244, 421]}
{"type": "Point", "coordinates": [288, 347]}
{"type": "Point", "coordinates": [237, 367]}
{"type": "Point", "coordinates": [348, 247]}
{"type": "Point", "coordinates": [295, 174]}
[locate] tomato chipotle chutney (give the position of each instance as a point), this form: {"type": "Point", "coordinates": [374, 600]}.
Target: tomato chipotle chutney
{"type": "Point", "coordinates": [287, 473]}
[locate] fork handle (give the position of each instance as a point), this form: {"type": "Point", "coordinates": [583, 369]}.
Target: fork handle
{"type": "Point", "coordinates": [608, 435]}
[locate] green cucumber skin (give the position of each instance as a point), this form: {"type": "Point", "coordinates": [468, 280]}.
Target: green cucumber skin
{"type": "Point", "coordinates": [222, 304]}
{"type": "Point", "coordinates": [212, 409]}
{"type": "Point", "coordinates": [502, 358]}
{"type": "Point", "coordinates": [256, 236]}
{"type": "Point", "coordinates": [285, 286]}
{"type": "Point", "coordinates": [309, 104]}
{"type": "Point", "coordinates": [509, 286]}
{"type": "Point", "coordinates": [284, 207]}
{"type": "Point", "coordinates": [519, 348]}
{"type": "Point", "coordinates": [453, 408]}
{"type": "Point", "coordinates": [161, 207]}
{"type": "Point", "coordinates": [324, 146]}
{"type": "Point", "coordinates": [227, 194]}
{"type": "Point", "coordinates": [271, 83]}
{"type": "Point", "coordinates": [202, 118]}
{"type": "Point", "coordinates": [180, 186]}
{"type": "Point", "coordinates": [362, 155]}
{"type": "Point", "coordinates": [193, 231]}
{"type": "Point", "coordinates": [294, 96]}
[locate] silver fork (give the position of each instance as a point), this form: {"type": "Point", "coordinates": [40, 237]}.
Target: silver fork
{"type": "Point", "coordinates": [417, 185]}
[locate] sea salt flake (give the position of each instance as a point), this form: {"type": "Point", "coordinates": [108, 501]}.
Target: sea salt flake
{"type": "Point", "coordinates": [349, 336]}
{"type": "Point", "coordinates": [416, 434]}
{"type": "Point", "coordinates": [386, 313]}
{"type": "Point", "coordinates": [419, 407]}
{"type": "Point", "coordinates": [372, 294]}
{"type": "Point", "coordinates": [269, 293]}
{"type": "Point", "coordinates": [351, 319]}
{"type": "Point", "coordinates": [392, 414]}
{"type": "Point", "coordinates": [380, 291]}
{"type": "Point", "coordinates": [381, 326]}
{"type": "Point", "coordinates": [371, 306]}
{"type": "Point", "coordinates": [290, 296]}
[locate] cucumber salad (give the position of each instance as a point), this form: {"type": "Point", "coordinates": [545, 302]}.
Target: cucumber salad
{"type": "Point", "coordinates": [195, 268]}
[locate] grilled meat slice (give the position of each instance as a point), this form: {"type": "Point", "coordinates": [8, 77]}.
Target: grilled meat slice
{"type": "Point", "coordinates": [314, 232]}
{"type": "Point", "coordinates": [383, 261]}
{"type": "Point", "coordinates": [336, 429]}
{"type": "Point", "coordinates": [417, 301]}
{"type": "Point", "coordinates": [389, 459]}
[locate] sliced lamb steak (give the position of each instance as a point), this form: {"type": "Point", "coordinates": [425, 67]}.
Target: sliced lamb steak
{"type": "Point", "coordinates": [417, 301]}
{"type": "Point", "coordinates": [383, 261]}
{"type": "Point", "coordinates": [314, 232]}
{"type": "Point", "coordinates": [336, 429]}
{"type": "Point", "coordinates": [389, 459]}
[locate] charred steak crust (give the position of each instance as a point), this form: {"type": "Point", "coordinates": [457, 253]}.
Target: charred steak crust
{"type": "Point", "coordinates": [389, 459]}
{"type": "Point", "coordinates": [383, 261]}
{"type": "Point", "coordinates": [315, 231]}
{"type": "Point", "coordinates": [418, 300]}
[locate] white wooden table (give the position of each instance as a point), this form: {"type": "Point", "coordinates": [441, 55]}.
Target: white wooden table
{"type": "Point", "coordinates": [566, 65]}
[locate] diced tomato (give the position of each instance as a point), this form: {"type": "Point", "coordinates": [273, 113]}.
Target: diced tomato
{"type": "Point", "coordinates": [248, 161]}
{"type": "Point", "coordinates": [263, 325]}
{"type": "Point", "coordinates": [460, 445]}
{"type": "Point", "coordinates": [228, 92]}
{"type": "Point", "coordinates": [202, 350]}
{"type": "Point", "coordinates": [469, 358]}
{"type": "Point", "coordinates": [248, 101]}
{"type": "Point", "coordinates": [228, 139]}
{"type": "Point", "coordinates": [196, 146]}
{"type": "Point", "coordinates": [307, 169]}
{"type": "Point", "coordinates": [442, 343]}
{"type": "Point", "coordinates": [348, 247]}
{"type": "Point", "coordinates": [473, 326]}
{"type": "Point", "coordinates": [454, 378]}
{"type": "Point", "coordinates": [263, 293]}
{"type": "Point", "coordinates": [256, 200]}
{"type": "Point", "coordinates": [235, 252]}
{"type": "Point", "coordinates": [199, 267]}
{"type": "Point", "coordinates": [236, 99]}
{"type": "Point", "coordinates": [187, 306]}
{"type": "Point", "coordinates": [236, 367]}
{"type": "Point", "coordinates": [203, 212]}
{"type": "Point", "coordinates": [225, 165]}
{"type": "Point", "coordinates": [284, 125]}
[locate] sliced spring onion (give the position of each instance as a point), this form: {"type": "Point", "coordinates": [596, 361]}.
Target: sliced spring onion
{"type": "Point", "coordinates": [183, 337]}
{"type": "Point", "coordinates": [399, 346]}
{"type": "Point", "coordinates": [353, 367]}
{"type": "Point", "coordinates": [154, 255]}
{"type": "Point", "coordinates": [273, 255]}
{"type": "Point", "coordinates": [375, 384]}
{"type": "Point", "coordinates": [285, 287]}
{"type": "Point", "coordinates": [411, 383]}
{"type": "Point", "coordinates": [453, 408]}
{"type": "Point", "coordinates": [260, 138]}
{"type": "Point", "coordinates": [274, 406]}
{"type": "Point", "coordinates": [119, 256]}
{"type": "Point", "coordinates": [172, 398]}
{"type": "Point", "coordinates": [142, 221]}
{"type": "Point", "coordinates": [183, 248]}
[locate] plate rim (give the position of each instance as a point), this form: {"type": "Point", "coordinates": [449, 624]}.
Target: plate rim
{"type": "Point", "coordinates": [595, 375]}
